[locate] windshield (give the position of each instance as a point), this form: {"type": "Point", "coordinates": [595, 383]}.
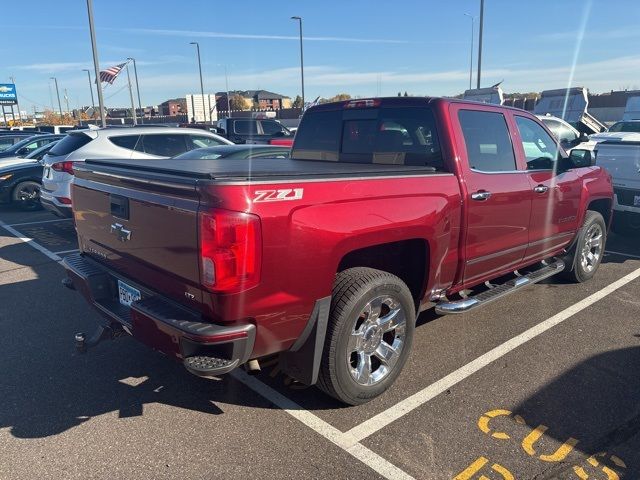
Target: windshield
{"type": "Point", "coordinates": [625, 127]}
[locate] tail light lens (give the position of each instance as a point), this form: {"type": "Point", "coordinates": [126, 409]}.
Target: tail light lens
{"type": "Point", "coordinates": [230, 250]}
{"type": "Point", "coordinates": [66, 167]}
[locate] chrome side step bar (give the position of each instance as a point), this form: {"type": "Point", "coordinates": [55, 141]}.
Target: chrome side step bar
{"type": "Point", "coordinates": [463, 305]}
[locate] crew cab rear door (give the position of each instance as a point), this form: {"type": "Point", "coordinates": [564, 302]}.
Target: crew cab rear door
{"type": "Point", "coordinates": [497, 192]}
{"type": "Point", "coordinates": [555, 192]}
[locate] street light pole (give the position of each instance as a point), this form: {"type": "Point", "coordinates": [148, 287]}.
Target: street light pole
{"type": "Point", "coordinates": [96, 63]}
{"type": "Point", "coordinates": [471, 54]}
{"type": "Point", "coordinates": [135, 74]}
{"type": "Point", "coordinates": [204, 109]}
{"type": "Point", "coordinates": [299, 19]}
{"type": "Point", "coordinates": [93, 103]}
{"type": "Point", "coordinates": [226, 81]}
{"type": "Point", "coordinates": [480, 40]}
{"type": "Point", "coordinates": [58, 95]}
{"type": "Point", "coordinates": [17, 103]}
{"type": "Point", "coordinates": [133, 105]}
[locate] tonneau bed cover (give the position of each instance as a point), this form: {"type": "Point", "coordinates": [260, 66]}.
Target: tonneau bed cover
{"type": "Point", "coordinates": [256, 169]}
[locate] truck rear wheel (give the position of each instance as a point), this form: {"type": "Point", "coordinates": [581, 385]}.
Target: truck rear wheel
{"type": "Point", "coordinates": [584, 258]}
{"type": "Point", "coordinates": [369, 335]}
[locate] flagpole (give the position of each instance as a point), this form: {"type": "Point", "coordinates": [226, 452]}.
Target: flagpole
{"type": "Point", "coordinates": [133, 105]}
{"type": "Point", "coordinates": [96, 63]}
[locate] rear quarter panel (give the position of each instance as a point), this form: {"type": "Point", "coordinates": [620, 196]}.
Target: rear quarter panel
{"type": "Point", "coordinates": [304, 241]}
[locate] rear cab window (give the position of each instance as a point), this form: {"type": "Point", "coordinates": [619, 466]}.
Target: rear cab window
{"type": "Point", "coordinates": [381, 135]}
{"type": "Point", "coordinates": [70, 143]}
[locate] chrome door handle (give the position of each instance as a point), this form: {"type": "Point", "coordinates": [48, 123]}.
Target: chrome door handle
{"type": "Point", "coordinates": [541, 189]}
{"type": "Point", "coordinates": [480, 196]}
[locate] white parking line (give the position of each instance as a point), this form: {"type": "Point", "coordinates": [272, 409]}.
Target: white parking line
{"type": "Point", "coordinates": [41, 221]}
{"type": "Point", "coordinates": [400, 409]}
{"type": "Point", "coordinates": [623, 254]}
{"type": "Point", "coordinates": [343, 440]}
{"type": "Point", "coordinates": [30, 241]}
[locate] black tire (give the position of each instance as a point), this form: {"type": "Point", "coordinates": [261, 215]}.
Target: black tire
{"type": "Point", "coordinates": [579, 266]}
{"type": "Point", "coordinates": [355, 290]}
{"type": "Point", "coordinates": [26, 195]}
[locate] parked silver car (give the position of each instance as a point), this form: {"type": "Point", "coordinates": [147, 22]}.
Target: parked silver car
{"type": "Point", "coordinates": [112, 143]}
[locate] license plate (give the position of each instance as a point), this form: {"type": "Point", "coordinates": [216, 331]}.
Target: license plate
{"type": "Point", "coordinates": [127, 294]}
{"type": "Point", "coordinates": [636, 200]}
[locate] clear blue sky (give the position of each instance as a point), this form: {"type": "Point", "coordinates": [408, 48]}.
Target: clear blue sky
{"type": "Point", "coordinates": [362, 47]}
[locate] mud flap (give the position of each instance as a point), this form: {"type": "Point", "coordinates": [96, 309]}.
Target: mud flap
{"type": "Point", "coordinates": [302, 360]}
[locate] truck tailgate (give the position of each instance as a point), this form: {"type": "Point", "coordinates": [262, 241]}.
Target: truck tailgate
{"type": "Point", "coordinates": [145, 229]}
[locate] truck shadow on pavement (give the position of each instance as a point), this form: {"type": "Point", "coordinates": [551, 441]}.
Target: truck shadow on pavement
{"type": "Point", "coordinates": [586, 421]}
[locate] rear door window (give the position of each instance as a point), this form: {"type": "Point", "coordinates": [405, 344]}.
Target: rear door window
{"type": "Point", "coordinates": [486, 136]}
{"type": "Point", "coordinates": [245, 127]}
{"type": "Point", "coordinates": [70, 143]}
{"type": "Point", "coordinates": [164, 145]}
{"type": "Point", "coordinates": [130, 142]}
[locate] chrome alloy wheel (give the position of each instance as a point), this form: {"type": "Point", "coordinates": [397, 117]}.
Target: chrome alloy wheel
{"type": "Point", "coordinates": [592, 248]}
{"type": "Point", "coordinates": [376, 340]}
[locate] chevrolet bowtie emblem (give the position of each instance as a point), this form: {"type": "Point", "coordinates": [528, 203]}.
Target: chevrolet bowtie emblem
{"type": "Point", "coordinates": [120, 232]}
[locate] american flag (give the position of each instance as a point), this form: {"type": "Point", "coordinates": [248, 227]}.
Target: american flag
{"type": "Point", "coordinates": [110, 74]}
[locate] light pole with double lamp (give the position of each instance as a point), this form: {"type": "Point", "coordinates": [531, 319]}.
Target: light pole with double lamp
{"type": "Point", "coordinates": [299, 19]}
{"type": "Point", "coordinates": [204, 109]}
{"type": "Point", "coordinates": [58, 94]}
{"type": "Point", "coordinates": [135, 74]}
{"type": "Point", "coordinates": [93, 103]}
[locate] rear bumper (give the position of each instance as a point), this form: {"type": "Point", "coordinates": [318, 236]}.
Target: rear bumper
{"type": "Point", "coordinates": [50, 203]}
{"type": "Point", "coordinates": [162, 324]}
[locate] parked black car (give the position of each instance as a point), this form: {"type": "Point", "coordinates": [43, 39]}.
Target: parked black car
{"type": "Point", "coordinates": [20, 179]}
{"type": "Point", "coordinates": [8, 139]}
{"type": "Point", "coordinates": [28, 145]}
{"type": "Point", "coordinates": [252, 130]}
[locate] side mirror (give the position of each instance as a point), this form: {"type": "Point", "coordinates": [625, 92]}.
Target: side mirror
{"type": "Point", "coordinates": [582, 158]}
{"type": "Point", "coordinates": [23, 151]}
{"type": "Point", "coordinates": [221, 131]}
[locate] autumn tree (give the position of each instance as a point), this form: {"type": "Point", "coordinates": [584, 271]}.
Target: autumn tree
{"type": "Point", "coordinates": [297, 103]}
{"type": "Point", "coordinates": [237, 102]}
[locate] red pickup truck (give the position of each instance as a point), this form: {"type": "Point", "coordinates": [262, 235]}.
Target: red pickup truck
{"type": "Point", "coordinates": [387, 207]}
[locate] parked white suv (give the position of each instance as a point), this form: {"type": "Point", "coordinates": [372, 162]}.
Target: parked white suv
{"type": "Point", "coordinates": [621, 158]}
{"type": "Point", "coordinates": [112, 143]}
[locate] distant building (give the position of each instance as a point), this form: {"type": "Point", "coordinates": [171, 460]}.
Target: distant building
{"type": "Point", "coordinates": [609, 107]}
{"type": "Point", "coordinates": [261, 99]}
{"type": "Point", "coordinates": [174, 106]}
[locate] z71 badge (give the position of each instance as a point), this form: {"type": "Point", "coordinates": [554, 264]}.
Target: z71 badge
{"type": "Point", "coordinates": [278, 195]}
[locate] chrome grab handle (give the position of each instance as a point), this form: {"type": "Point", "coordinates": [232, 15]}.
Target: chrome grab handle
{"type": "Point", "coordinates": [481, 195]}
{"type": "Point", "coordinates": [541, 189]}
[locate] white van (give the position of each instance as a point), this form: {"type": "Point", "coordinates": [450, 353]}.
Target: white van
{"type": "Point", "coordinates": [622, 160]}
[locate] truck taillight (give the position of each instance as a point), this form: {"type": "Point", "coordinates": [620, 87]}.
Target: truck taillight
{"type": "Point", "coordinates": [230, 250]}
{"type": "Point", "coordinates": [66, 167]}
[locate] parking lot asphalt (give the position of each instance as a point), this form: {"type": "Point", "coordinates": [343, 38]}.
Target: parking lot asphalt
{"type": "Point", "coordinates": [540, 385]}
